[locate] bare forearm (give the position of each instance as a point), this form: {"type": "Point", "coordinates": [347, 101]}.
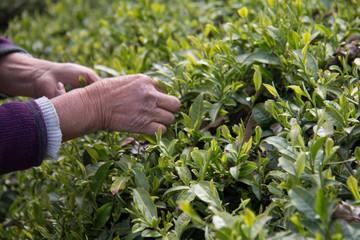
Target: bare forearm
{"type": "Point", "coordinates": [17, 74]}
{"type": "Point", "coordinates": [76, 114]}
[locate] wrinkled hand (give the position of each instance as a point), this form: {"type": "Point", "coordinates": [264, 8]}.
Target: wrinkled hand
{"type": "Point", "coordinates": [133, 103]}
{"type": "Point", "coordinates": [22, 75]}
{"type": "Point", "coordinates": [50, 80]}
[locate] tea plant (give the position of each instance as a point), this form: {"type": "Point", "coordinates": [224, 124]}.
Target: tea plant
{"type": "Point", "coordinates": [264, 145]}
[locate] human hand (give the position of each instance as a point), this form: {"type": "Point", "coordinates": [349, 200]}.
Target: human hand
{"type": "Point", "coordinates": [50, 81]}
{"type": "Point", "coordinates": [22, 75]}
{"type": "Point", "coordinates": [133, 103]}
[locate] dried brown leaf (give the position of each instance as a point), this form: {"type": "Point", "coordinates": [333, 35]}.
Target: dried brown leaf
{"type": "Point", "coordinates": [347, 212]}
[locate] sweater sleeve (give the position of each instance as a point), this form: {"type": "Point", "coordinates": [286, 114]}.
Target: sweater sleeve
{"type": "Point", "coordinates": [52, 125]}
{"type": "Point", "coordinates": [7, 47]}
{"type": "Point", "coordinates": [23, 136]}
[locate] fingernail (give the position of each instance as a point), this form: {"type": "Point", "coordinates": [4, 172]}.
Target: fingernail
{"type": "Point", "coordinates": [60, 86]}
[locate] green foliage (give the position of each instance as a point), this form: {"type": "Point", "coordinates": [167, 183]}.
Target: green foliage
{"type": "Point", "coordinates": [263, 147]}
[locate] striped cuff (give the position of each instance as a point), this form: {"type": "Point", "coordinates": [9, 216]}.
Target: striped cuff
{"type": "Point", "coordinates": [7, 49]}
{"type": "Point", "coordinates": [52, 126]}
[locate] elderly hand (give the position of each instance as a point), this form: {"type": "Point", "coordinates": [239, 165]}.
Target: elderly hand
{"type": "Point", "coordinates": [22, 75]}
{"type": "Point", "coordinates": [133, 103]}
{"type": "Point", "coordinates": [50, 81]}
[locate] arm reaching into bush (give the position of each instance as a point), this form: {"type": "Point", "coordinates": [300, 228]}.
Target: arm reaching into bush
{"type": "Point", "coordinates": [23, 75]}
{"type": "Point", "coordinates": [32, 129]}
{"type": "Point", "coordinates": [133, 103]}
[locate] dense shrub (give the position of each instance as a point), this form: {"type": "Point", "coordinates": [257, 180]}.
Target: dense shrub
{"type": "Point", "coordinates": [264, 146]}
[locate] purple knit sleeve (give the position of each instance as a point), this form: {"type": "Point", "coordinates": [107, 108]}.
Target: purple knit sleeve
{"type": "Point", "coordinates": [23, 136]}
{"type": "Point", "coordinates": [7, 47]}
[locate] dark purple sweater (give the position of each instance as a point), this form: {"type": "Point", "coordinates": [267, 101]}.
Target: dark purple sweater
{"type": "Point", "coordinates": [23, 135]}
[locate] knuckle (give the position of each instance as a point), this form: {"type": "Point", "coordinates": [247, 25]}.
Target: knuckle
{"type": "Point", "coordinates": [144, 78]}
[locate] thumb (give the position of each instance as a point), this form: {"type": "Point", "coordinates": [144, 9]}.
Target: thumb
{"type": "Point", "coordinates": [60, 89]}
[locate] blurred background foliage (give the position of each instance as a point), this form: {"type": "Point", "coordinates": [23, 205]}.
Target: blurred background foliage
{"type": "Point", "coordinates": [12, 8]}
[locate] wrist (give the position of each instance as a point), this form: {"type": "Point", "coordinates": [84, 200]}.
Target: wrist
{"type": "Point", "coordinates": [79, 112]}
{"type": "Point", "coordinates": [93, 98]}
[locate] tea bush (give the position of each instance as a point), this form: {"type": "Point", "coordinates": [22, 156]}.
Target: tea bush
{"type": "Point", "coordinates": [263, 147]}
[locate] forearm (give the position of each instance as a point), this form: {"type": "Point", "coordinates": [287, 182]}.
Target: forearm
{"type": "Point", "coordinates": [18, 72]}
{"type": "Point", "coordinates": [76, 112]}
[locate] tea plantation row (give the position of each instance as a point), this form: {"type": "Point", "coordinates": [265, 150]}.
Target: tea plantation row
{"type": "Point", "coordinates": [265, 145]}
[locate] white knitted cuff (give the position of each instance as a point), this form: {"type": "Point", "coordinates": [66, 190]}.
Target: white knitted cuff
{"type": "Point", "coordinates": [52, 126]}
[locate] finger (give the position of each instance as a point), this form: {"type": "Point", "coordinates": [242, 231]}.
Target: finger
{"type": "Point", "coordinates": [153, 128]}
{"type": "Point", "coordinates": [168, 102]}
{"type": "Point", "coordinates": [163, 116]}
{"type": "Point", "coordinates": [92, 77]}
{"type": "Point", "coordinates": [60, 89]}
{"type": "Point", "coordinates": [71, 73]}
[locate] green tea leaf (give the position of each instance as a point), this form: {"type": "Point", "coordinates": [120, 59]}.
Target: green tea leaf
{"type": "Point", "coordinates": [184, 174]}
{"type": "Point", "coordinates": [145, 204]}
{"type": "Point", "coordinates": [260, 57]}
{"type": "Point", "coordinates": [262, 117]}
{"type": "Point", "coordinates": [335, 117]}
{"type": "Point", "coordinates": [247, 169]}
{"type": "Point", "coordinates": [325, 130]}
{"type": "Point", "coordinates": [185, 207]}
{"type": "Point", "coordinates": [317, 144]}
{"type": "Point", "coordinates": [300, 164]}
{"type": "Point", "coordinates": [147, 233]}
{"type": "Point", "coordinates": [303, 201]}
{"type": "Point", "coordinates": [248, 217]}
{"type": "Point", "coordinates": [214, 110]}
{"type": "Point", "coordinates": [203, 191]}
{"type": "Point", "coordinates": [287, 166]}
{"type": "Point", "coordinates": [277, 35]}
{"type": "Point", "coordinates": [293, 39]}
{"type": "Point", "coordinates": [102, 215]}
{"type": "Point", "coordinates": [225, 132]}
{"type": "Point", "coordinates": [321, 204]}
{"type": "Point", "coordinates": [297, 90]}
{"type": "Point", "coordinates": [175, 189]}
{"type": "Point", "coordinates": [110, 71]}
{"type": "Point", "coordinates": [140, 179]}
{"type": "Point", "coordinates": [196, 111]}
{"type": "Point", "coordinates": [198, 158]}
{"type": "Point", "coordinates": [282, 146]}
{"type": "Point", "coordinates": [257, 79]}
{"type": "Point", "coordinates": [119, 184]}
{"type": "Point", "coordinates": [100, 177]}
{"type": "Point", "coordinates": [102, 152]}
{"type": "Point", "coordinates": [82, 81]}
{"type": "Point", "coordinates": [243, 12]}
{"type": "Point", "coordinates": [352, 183]}
{"type": "Point", "coordinates": [258, 226]}
{"type": "Point", "coordinates": [272, 90]}
{"type": "Point", "coordinates": [306, 38]}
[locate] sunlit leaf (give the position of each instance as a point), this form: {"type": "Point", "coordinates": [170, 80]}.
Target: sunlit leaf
{"type": "Point", "coordinates": [100, 177]}
{"type": "Point", "coordinates": [103, 214]}
{"type": "Point", "coordinates": [145, 204]}
{"type": "Point", "coordinates": [203, 191]}
{"type": "Point", "coordinates": [303, 201]}
{"type": "Point", "coordinates": [352, 183]}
